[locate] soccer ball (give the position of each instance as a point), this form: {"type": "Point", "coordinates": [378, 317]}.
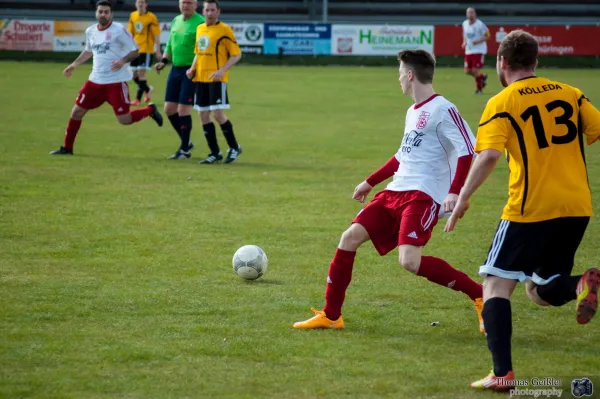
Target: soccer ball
{"type": "Point", "coordinates": [250, 262]}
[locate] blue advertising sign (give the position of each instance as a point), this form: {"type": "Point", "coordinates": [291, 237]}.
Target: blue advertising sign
{"type": "Point", "coordinates": [298, 39]}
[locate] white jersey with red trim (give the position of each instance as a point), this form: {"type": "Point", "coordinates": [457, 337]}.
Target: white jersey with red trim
{"type": "Point", "coordinates": [435, 136]}
{"type": "Point", "coordinates": [109, 44]}
{"type": "Point", "coordinates": [474, 31]}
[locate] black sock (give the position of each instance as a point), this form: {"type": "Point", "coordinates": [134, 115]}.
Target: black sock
{"type": "Point", "coordinates": [210, 133]}
{"type": "Point", "coordinates": [185, 131]}
{"type": "Point", "coordinates": [142, 88]}
{"type": "Point", "coordinates": [137, 81]}
{"type": "Point", "coordinates": [559, 291]}
{"type": "Point", "coordinates": [498, 327]}
{"type": "Point", "coordinates": [227, 129]}
{"type": "Point", "coordinates": [139, 90]}
{"type": "Point", "coordinates": [176, 123]}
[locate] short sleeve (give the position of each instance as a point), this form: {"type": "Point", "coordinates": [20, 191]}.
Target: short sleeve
{"type": "Point", "coordinates": [130, 25]}
{"type": "Point", "coordinates": [88, 45]}
{"type": "Point", "coordinates": [127, 41]}
{"type": "Point", "coordinates": [232, 45]}
{"type": "Point", "coordinates": [589, 117]}
{"type": "Point", "coordinates": [494, 128]}
{"type": "Point", "coordinates": [155, 26]}
{"type": "Point", "coordinates": [484, 29]}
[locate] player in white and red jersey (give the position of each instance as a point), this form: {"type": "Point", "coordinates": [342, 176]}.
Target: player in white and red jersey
{"type": "Point", "coordinates": [475, 37]}
{"type": "Point", "coordinates": [428, 172]}
{"type": "Point", "coordinates": [112, 48]}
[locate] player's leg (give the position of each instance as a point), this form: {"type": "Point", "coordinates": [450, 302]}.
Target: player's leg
{"type": "Point", "coordinates": [144, 87]}
{"type": "Point", "coordinates": [476, 66]}
{"type": "Point", "coordinates": [552, 281]}
{"type": "Point", "coordinates": [512, 258]}
{"type": "Point", "coordinates": [338, 280]}
{"type": "Point", "coordinates": [497, 316]}
{"type": "Point", "coordinates": [185, 109]}
{"type": "Point", "coordinates": [135, 67]}
{"type": "Point", "coordinates": [90, 96]}
{"type": "Point", "coordinates": [118, 97]}
{"type": "Point", "coordinates": [419, 215]}
{"type": "Point", "coordinates": [219, 102]}
{"type": "Point", "coordinates": [202, 105]}
{"type": "Point", "coordinates": [373, 223]}
{"type": "Point", "coordinates": [172, 92]}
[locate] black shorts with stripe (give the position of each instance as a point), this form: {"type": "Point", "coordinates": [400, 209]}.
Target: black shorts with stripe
{"type": "Point", "coordinates": [538, 251]}
{"type": "Point", "coordinates": [211, 96]}
{"type": "Point", "coordinates": [143, 61]}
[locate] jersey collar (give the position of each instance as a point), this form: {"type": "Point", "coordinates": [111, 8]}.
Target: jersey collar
{"type": "Point", "coordinates": [417, 106]}
{"type": "Point", "coordinates": [103, 29]}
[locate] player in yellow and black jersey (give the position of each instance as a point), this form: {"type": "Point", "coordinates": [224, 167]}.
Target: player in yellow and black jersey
{"type": "Point", "coordinates": [542, 126]}
{"type": "Point", "coordinates": [216, 52]}
{"type": "Point", "coordinates": [145, 29]}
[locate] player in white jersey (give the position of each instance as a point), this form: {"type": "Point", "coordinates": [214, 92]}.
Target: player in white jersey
{"type": "Point", "coordinates": [112, 48]}
{"type": "Point", "coordinates": [428, 172]}
{"type": "Point", "coordinates": [475, 37]}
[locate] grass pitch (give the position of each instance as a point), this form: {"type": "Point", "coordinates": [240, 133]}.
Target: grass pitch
{"type": "Point", "coordinates": [116, 277]}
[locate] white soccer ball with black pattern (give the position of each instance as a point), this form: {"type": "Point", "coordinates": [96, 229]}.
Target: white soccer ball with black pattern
{"type": "Point", "coordinates": [250, 262]}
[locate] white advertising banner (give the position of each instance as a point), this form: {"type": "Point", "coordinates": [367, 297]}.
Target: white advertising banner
{"type": "Point", "coordinates": [380, 39]}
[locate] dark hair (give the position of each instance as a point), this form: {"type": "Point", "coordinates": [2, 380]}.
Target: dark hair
{"type": "Point", "coordinates": [420, 62]}
{"type": "Point", "coordinates": [519, 49]}
{"type": "Point", "coordinates": [216, 2]}
{"type": "Point", "coordinates": [105, 3]}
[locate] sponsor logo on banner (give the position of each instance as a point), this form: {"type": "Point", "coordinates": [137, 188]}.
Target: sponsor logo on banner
{"type": "Point", "coordinates": [26, 35]}
{"type": "Point", "coordinates": [553, 40]}
{"type": "Point", "coordinates": [305, 39]}
{"type": "Point", "coordinates": [250, 37]}
{"type": "Point", "coordinates": [380, 40]}
{"type": "Point", "coordinates": [69, 36]}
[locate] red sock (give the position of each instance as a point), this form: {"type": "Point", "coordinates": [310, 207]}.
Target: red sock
{"type": "Point", "coordinates": [140, 114]}
{"type": "Point", "coordinates": [440, 272]}
{"type": "Point", "coordinates": [479, 81]}
{"type": "Point", "coordinates": [72, 129]}
{"type": "Point", "coordinates": [340, 274]}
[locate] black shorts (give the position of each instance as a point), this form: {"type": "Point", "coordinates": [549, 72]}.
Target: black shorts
{"type": "Point", "coordinates": [143, 61]}
{"type": "Point", "coordinates": [180, 88]}
{"type": "Point", "coordinates": [211, 96]}
{"type": "Point", "coordinates": [537, 252]}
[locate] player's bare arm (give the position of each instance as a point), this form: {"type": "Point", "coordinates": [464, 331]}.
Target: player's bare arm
{"type": "Point", "coordinates": [159, 66]}
{"type": "Point", "coordinates": [82, 59]}
{"type": "Point", "coordinates": [192, 71]}
{"type": "Point", "coordinates": [118, 64]}
{"type": "Point", "coordinates": [484, 165]}
{"type": "Point", "coordinates": [218, 75]}
{"type": "Point", "coordinates": [157, 51]}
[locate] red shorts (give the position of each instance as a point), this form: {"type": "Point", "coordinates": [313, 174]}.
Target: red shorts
{"type": "Point", "coordinates": [398, 218]}
{"type": "Point", "coordinates": [93, 95]}
{"type": "Point", "coordinates": [474, 61]}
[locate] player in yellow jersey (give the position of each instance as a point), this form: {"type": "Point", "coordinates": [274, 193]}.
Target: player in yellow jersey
{"type": "Point", "coordinates": [145, 29]}
{"type": "Point", "coordinates": [542, 125]}
{"type": "Point", "coordinates": [216, 52]}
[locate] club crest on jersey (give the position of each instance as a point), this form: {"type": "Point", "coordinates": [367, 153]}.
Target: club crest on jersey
{"type": "Point", "coordinates": [203, 43]}
{"type": "Point", "coordinates": [423, 118]}
{"type": "Point", "coordinates": [139, 27]}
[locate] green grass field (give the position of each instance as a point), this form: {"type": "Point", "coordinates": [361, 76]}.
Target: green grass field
{"type": "Point", "coordinates": [116, 277]}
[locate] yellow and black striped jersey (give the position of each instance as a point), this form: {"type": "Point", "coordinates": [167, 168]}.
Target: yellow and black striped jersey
{"type": "Point", "coordinates": [541, 125]}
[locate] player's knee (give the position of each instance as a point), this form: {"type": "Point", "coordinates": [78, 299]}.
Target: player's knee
{"type": "Point", "coordinates": [77, 113]}
{"type": "Point", "coordinates": [531, 291]}
{"type": "Point", "coordinates": [220, 116]}
{"type": "Point", "coordinates": [409, 261]}
{"type": "Point", "coordinates": [170, 108]}
{"type": "Point", "coordinates": [351, 239]}
{"type": "Point", "coordinates": [124, 119]}
{"type": "Point", "coordinates": [205, 117]}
